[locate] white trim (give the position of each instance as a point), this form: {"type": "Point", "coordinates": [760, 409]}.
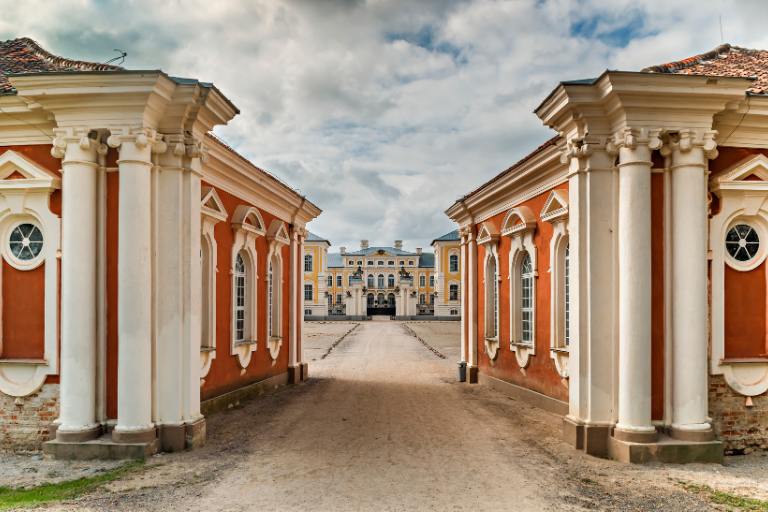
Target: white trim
{"type": "Point", "coordinates": [557, 244]}
{"type": "Point", "coordinates": [518, 220]}
{"type": "Point", "coordinates": [212, 211]}
{"type": "Point", "coordinates": [492, 343]}
{"type": "Point", "coordinates": [245, 234]}
{"type": "Point", "coordinates": [522, 242]}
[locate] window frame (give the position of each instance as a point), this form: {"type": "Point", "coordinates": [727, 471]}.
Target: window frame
{"type": "Point", "coordinates": [453, 258]}
{"type": "Point", "coordinates": [309, 261]}
{"type": "Point", "coordinates": [311, 290]}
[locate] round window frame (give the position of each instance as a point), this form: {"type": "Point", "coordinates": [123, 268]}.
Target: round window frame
{"type": "Point", "coordinates": [13, 260]}
{"type": "Point", "coordinates": [760, 227]}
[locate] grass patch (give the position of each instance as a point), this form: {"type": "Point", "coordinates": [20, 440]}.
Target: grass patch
{"type": "Point", "coordinates": [46, 493]}
{"type": "Point", "coordinates": [727, 499]}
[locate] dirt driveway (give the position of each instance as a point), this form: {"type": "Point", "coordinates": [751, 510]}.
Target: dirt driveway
{"type": "Point", "coordinates": [383, 425]}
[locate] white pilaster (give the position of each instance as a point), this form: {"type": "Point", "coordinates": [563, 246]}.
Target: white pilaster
{"type": "Point", "coordinates": [293, 300]}
{"type": "Point", "coordinates": [634, 226]}
{"type": "Point", "coordinates": [689, 151]}
{"type": "Point", "coordinates": [77, 420]}
{"type": "Point", "coordinates": [134, 289]}
{"type": "Point", "coordinates": [472, 306]}
{"type": "Point", "coordinates": [463, 321]}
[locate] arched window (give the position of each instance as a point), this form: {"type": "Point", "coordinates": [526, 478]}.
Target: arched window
{"type": "Point", "coordinates": [371, 281]}
{"type": "Point", "coordinates": [391, 281]}
{"type": "Point", "coordinates": [453, 263]}
{"type": "Point", "coordinates": [207, 327]}
{"type": "Point", "coordinates": [391, 300]}
{"type": "Point", "coordinates": [239, 283]}
{"type": "Point", "coordinates": [273, 297]}
{"type": "Point", "coordinates": [453, 292]}
{"type": "Point", "coordinates": [380, 299]}
{"type": "Point", "coordinates": [370, 300]}
{"type": "Point", "coordinates": [422, 299]}
{"type": "Point", "coordinates": [339, 281]}
{"type": "Point", "coordinates": [307, 263]}
{"type": "Point", "coordinates": [526, 299]}
{"type": "Point", "coordinates": [330, 281]}
{"type": "Point", "coordinates": [567, 304]}
{"type": "Point", "coordinates": [491, 299]}
{"type": "Point", "coordinates": [381, 281]}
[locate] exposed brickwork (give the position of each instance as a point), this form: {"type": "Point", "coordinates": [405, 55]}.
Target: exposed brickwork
{"type": "Point", "coordinates": [743, 429]}
{"type": "Point", "coordinates": [24, 426]}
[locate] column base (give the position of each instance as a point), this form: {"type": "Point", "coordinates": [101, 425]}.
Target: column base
{"type": "Point", "coordinates": [294, 374]}
{"type": "Point", "coordinates": [593, 439]}
{"type": "Point", "coordinates": [573, 433]}
{"type": "Point", "coordinates": [697, 436]}
{"type": "Point", "coordinates": [472, 374]}
{"type": "Point", "coordinates": [196, 433]}
{"type": "Point", "coordinates": [173, 438]}
{"type": "Point", "coordinates": [631, 436]}
{"type": "Point", "coordinates": [135, 436]}
{"type": "Point", "coordinates": [78, 436]}
{"type": "Point", "coordinates": [666, 450]}
{"type": "Point", "coordinates": [304, 371]}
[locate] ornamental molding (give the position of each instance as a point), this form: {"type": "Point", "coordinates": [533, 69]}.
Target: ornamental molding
{"type": "Point", "coordinates": [248, 219]}
{"type": "Point", "coordinates": [488, 233]}
{"type": "Point", "coordinates": [737, 177]}
{"type": "Point", "coordinates": [686, 139]}
{"type": "Point", "coordinates": [632, 138]}
{"type": "Point", "coordinates": [211, 205]}
{"type": "Point", "coordinates": [580, 147]}
{"type": "Point", "coordinates": [518, 221]}
{"type": "Point", "coordinates": [30, 174]}
{"type": "Point", "coordinates": [556, 207]}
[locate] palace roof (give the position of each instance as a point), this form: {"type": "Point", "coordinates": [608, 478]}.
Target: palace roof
{"type": "Point", "coordinates": [311, 237]}
{"type": "Point", "coordinates": [453, 236]}
{"type": "Point", "coordinates": [373, 251]}
{"type": "Point", "coordinates": [23, 55]}
{"type": "Point", "coordinates": [725, 60]}
{"type": "Point", "coordinates": [426, 259]}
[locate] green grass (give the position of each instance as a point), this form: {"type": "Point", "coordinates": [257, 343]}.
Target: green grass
{"type": "Point", "coordinates": [46, 493]}
{"type": "Point", "coordinates": [724, 498]}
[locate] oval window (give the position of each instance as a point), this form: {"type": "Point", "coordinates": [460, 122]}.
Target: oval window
{"type": "Point", "coordinates": [26, 242]}
{"type": "Point", "coordinates": [742, 242]}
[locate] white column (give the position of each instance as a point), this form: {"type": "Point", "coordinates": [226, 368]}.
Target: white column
{"type": "Point", "coordinates": [689, 285]}
{"type": "Point", "coordinates": [300, 292]}
{"type": "Point", "coordinates": [463, 299]}
{"type": "Point", "coordinates": [134, 290]}
{"type": "Point", "coordinates": [634, 226]}
{"type": "Point", "coordinates": [77, 420]}
{"type": "Point", "coordinates": [293, 301]}
{"type": "Point", "coordinates": [592, 241]}
{"type": "Point", "coordinates": [472, 308]}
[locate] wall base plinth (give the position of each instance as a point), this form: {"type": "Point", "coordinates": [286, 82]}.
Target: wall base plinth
{"type": "Point", "coordinates": [102, 448]}
{"type": "Point", "coordinates": [472, 374]}
{"type": "Point", "coordinates": [631, 436]}
{"type": "Point", "coordinates": [304, 371]}
{"type": "Point", "coordinates": [294, 374]}
{"type": "Point", "coordinates": [173, 438]}
{"type": "Point", "coordinates": [593, 439]}
{"type": "Point", "coordinates": [196, 433]}
{"type": "Point", "coordinates": [665, 449]}
{"type": "Point", "coordinates": [692, 435]}
{"type": "Point", "coordinates": [573, 433]}
{"type": "Point", "coordinates": [134, 436]}
{"type": "Point", "coordinates": [78, 436]}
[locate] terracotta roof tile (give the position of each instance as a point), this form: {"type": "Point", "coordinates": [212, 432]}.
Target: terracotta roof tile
{"type": "Point", "coordinates": [725, 60]}
{"type": "Point", "coordinates": [24, 55]}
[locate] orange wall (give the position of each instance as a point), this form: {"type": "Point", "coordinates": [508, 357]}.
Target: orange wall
{"type": "Point", "coordinates": [540, 374]}
{"type": "Point", "coordinates": [657, 296]}
{"type": "Point", "coordinates": [745, 309]}
{"type": "Point", "coordinates": [225, 370]}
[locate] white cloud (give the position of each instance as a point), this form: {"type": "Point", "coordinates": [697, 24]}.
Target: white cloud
{"type": "Point", "coordinates": [384, 112]}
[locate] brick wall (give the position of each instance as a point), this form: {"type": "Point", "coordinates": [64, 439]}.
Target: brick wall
{"type": "Point", "coordinates": [24, 422]}
{"type": "Point", "coordinates": [743, 429]}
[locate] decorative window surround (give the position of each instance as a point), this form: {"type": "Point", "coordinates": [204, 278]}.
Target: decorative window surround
{"type": "Point", "coordinates": [247, 225]}
{"type": "Point", "coordinates": [26, 199]}
{"type": "Point", "coordinates": [520, 225]}
{"type": "Point", "coordinates": [212, 212]}
{"type": "Point", "coordinates": [277, 234]}
{"type": "Point", "coordinates": [555, 211]}
{"type": "Point", "coordinates": [742, 201]}
{"type": "Point", "coordinates": [488, 236]}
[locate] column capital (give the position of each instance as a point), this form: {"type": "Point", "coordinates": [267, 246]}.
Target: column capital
{"type": "Point", "coordinates": [76, 138]}
{"type": "Point", "coordinates": [581, 147]}
{"type": "Point", "coordinates": [140, 137]}
{"type": "Point", "coordinates": [687, 139]}
{"type": "Point", "coordinates": [634, 138]}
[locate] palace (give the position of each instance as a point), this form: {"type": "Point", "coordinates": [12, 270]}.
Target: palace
{"type": "Point", "coordinates": [617, 274]}
{"type": "Point", "coordinates": [381, 280]}
{"type": "Point", "coordinates": [150, 274]}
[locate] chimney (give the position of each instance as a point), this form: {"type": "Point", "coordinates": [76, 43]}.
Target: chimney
{"type": "Point", "coordinates": [418, 250]}
{"type": "Point", "coordinates": [398, 244]}
{"type": "Point", "coordinates": [363, 244]}
{"type": "Point", "coordinates": [343, 250]}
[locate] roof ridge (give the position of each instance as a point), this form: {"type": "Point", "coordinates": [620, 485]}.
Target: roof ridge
{"type": "Point", "coordinates": [44, 54]}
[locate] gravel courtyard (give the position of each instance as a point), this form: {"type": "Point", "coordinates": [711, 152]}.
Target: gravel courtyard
{"type": "Point", "coordinates": [382, 425]}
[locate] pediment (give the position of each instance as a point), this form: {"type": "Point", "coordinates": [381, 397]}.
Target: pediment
{"type": "Point", "coordinates": [488, 232]}
{"type": "Point", "coordinates": [249, 219]}
{"type": "Point", "coordinates": [518, 220]}
{"type": "Point", "coordinates": [211, 204]}
{"type": "Point", "coordinates": [556, 206]}
{"type": "Point", "coordinates": [278, 231]}
{"type": "Point", "coordinates": [19, 172]}
{"type": "Point", "coordinates": [751, 173]}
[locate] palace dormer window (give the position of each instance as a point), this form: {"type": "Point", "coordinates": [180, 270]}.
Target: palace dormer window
{"type": "Point", "coordinates": [370, 263]}
{"type": "Point", "coordinates": [380, 263]}
{"type": "Point", "coordinates": [391, 263]}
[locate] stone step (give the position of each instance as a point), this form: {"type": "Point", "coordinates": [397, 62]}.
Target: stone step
{"type": "Point", "coordinates": [100, 448]}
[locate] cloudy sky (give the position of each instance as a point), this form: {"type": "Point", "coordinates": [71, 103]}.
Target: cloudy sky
{"type": "Point", "coordinates": [384, 112]}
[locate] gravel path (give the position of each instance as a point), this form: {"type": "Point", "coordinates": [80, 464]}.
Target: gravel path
{"type": "Point", "coordinates": [382, 425]}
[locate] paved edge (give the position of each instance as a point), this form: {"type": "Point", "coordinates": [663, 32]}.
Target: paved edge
{"type": "Point", "coordinates": [423, 342]}
{"type": "Point", "coordinates": [335, 343]}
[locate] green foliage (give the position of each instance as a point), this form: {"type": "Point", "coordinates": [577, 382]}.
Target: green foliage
{"type": "Point", "coordinates": [46, 493]}
{"type": "Point", "coordinates": [729, 500]}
